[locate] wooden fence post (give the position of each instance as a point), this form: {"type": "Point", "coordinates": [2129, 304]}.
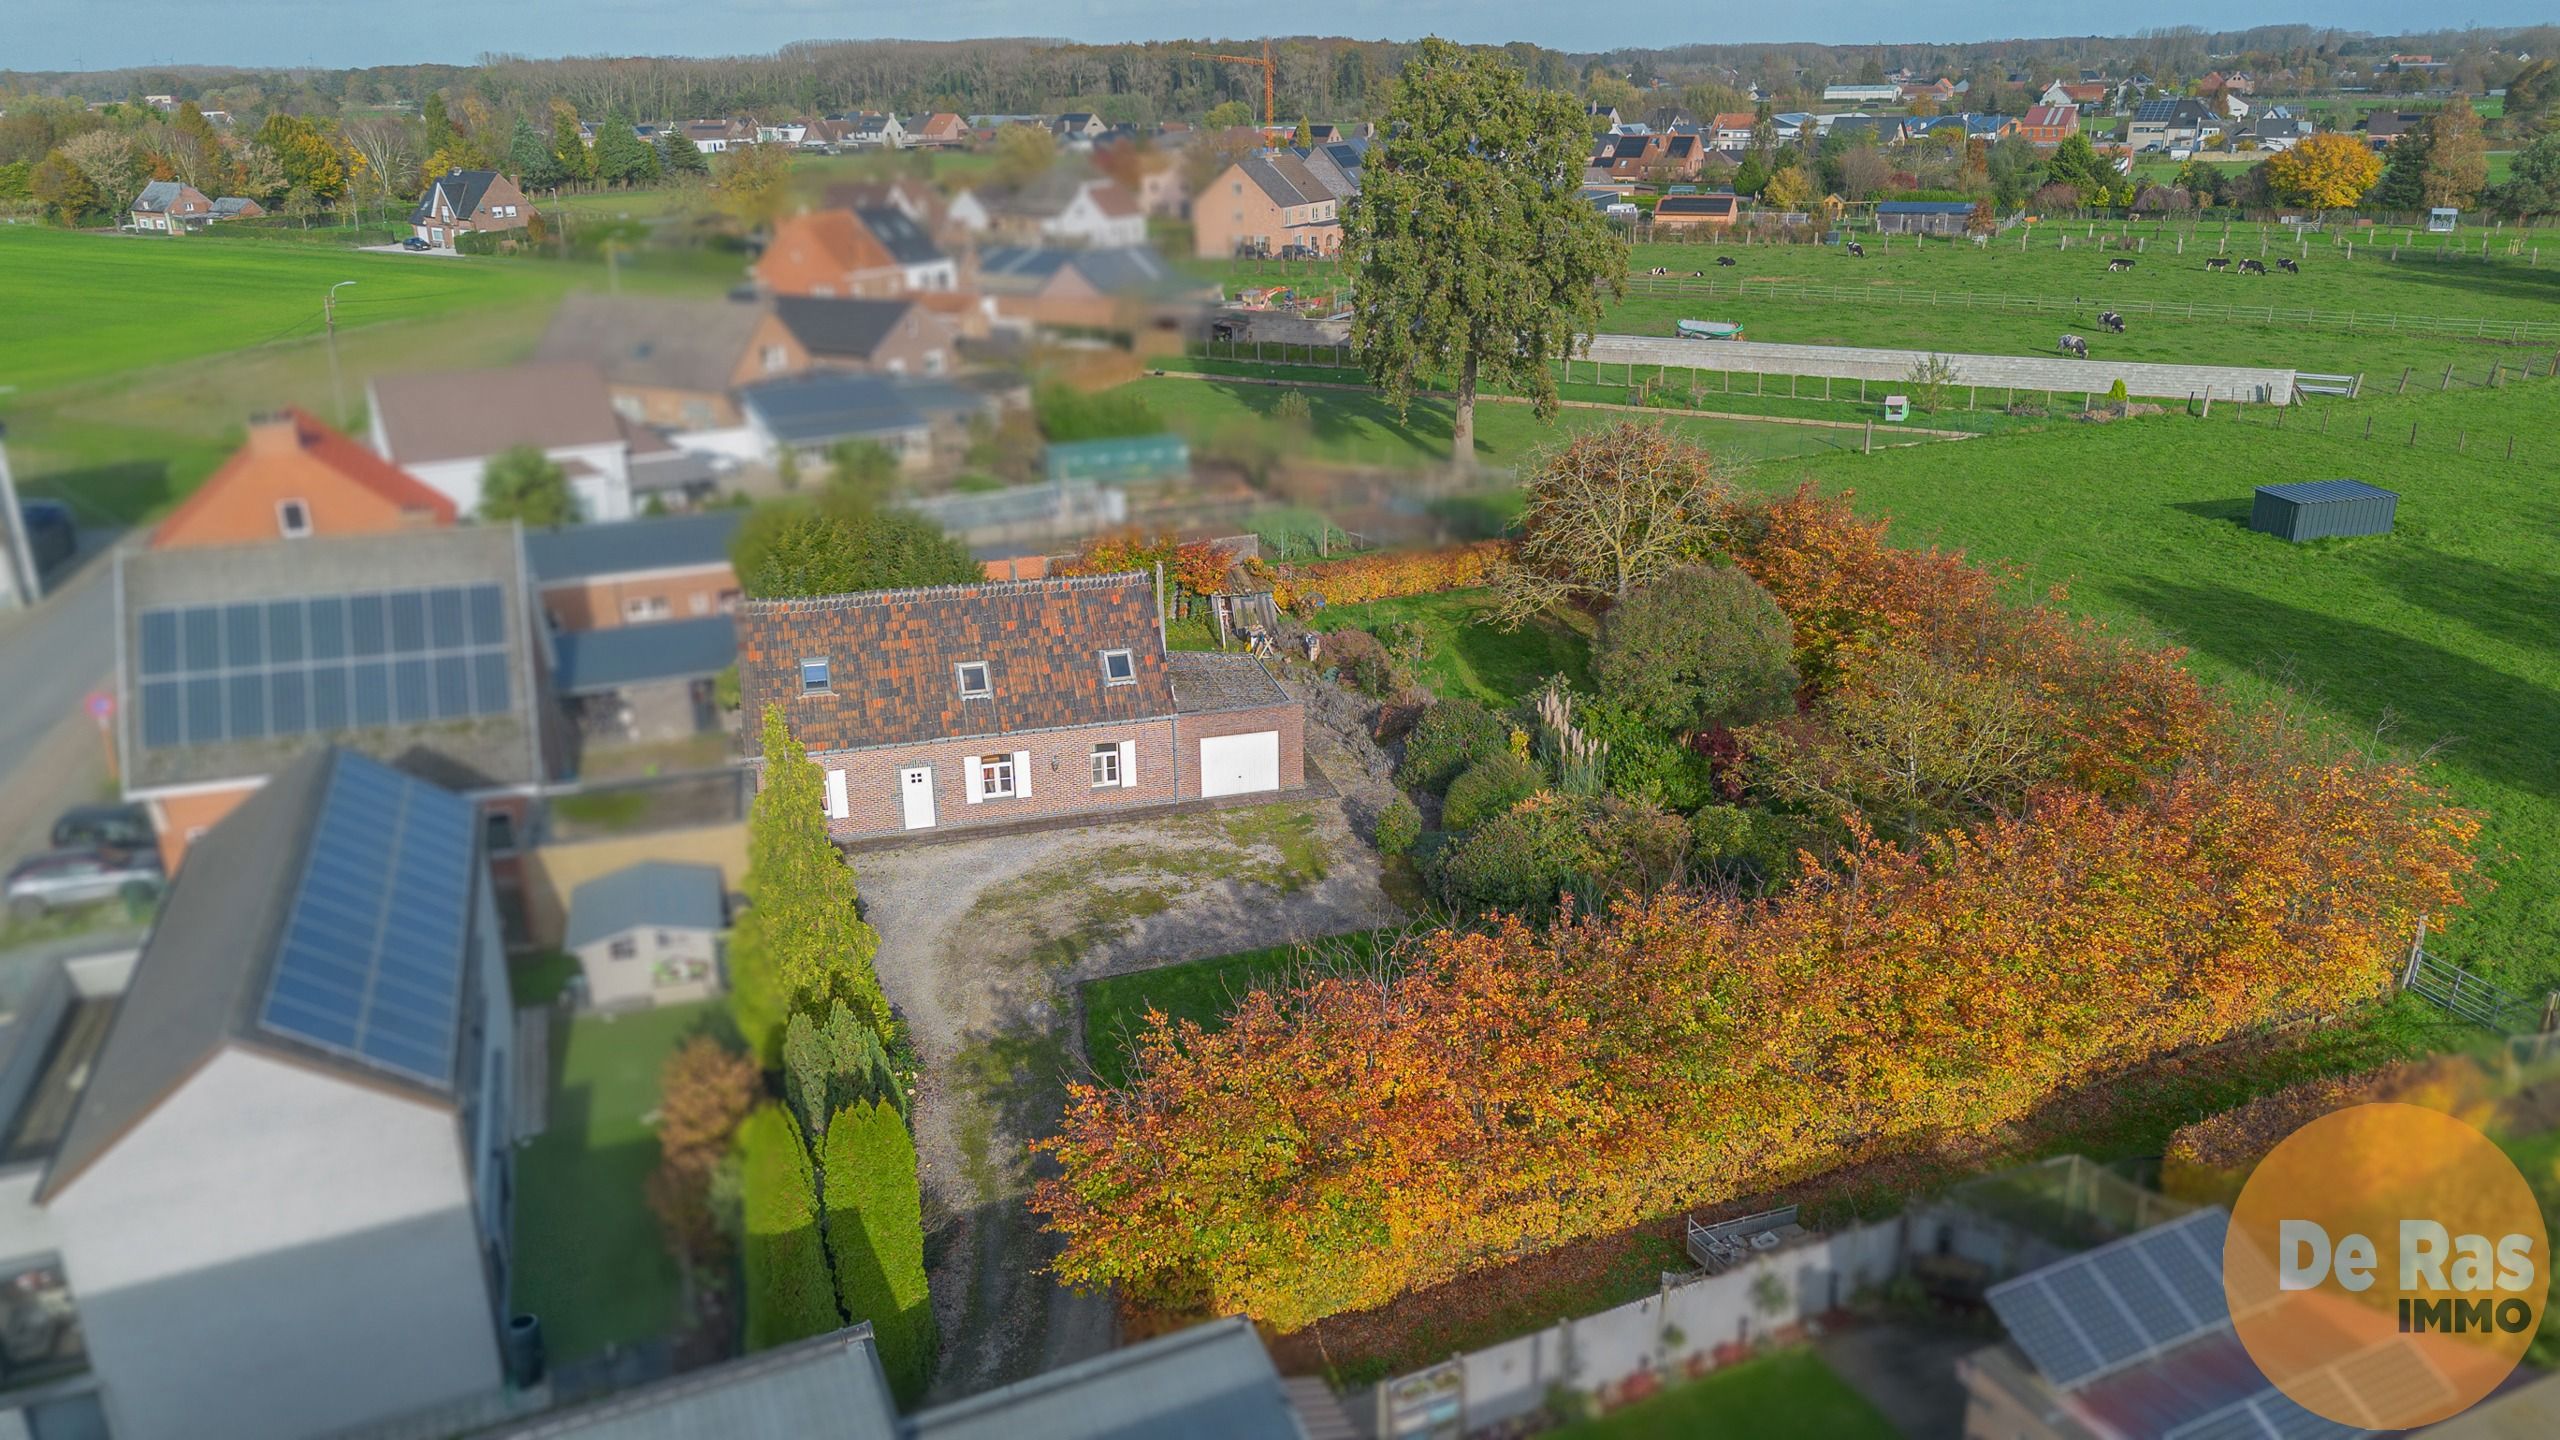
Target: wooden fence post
{"type": "Point", "coordinates": [2417, 952]}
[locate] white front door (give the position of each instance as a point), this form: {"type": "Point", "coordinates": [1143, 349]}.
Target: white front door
{"type": "Point", "coordinates": [915, 796]}
{"type": "Point", "coordinates": [1240, 764]}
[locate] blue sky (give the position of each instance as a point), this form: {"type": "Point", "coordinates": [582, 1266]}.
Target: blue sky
{"type": "Point", "coordinates": [101, 34]}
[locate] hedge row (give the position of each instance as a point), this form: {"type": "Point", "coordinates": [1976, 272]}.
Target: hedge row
{"type": "Point", "coordinates": [875, 1231]}
{"type": "Point", "coordinates": [788, 1293]}
{"type": "Point", "coordinates": [1364, 578]}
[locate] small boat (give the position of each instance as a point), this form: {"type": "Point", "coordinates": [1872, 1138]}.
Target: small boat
{"type": "Point", "coordinates": [1709, 330]}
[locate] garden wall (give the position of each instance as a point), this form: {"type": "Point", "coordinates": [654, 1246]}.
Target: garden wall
{"type": "Point", "coordinates": [2019, 372]}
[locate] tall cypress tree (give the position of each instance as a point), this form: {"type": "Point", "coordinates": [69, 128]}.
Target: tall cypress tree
{"type": "Point", "coordinates": [802, 945]}
{"type": "Point", "coordinates": [875, 1239]}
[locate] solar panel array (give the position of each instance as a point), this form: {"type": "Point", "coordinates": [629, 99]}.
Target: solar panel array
{"type": "Point", "coordinates": [312, 665]}
{"type": "Point", "coordinates": [370, 965]}
{"type": "Point", "coordinates": [2120, 1303]}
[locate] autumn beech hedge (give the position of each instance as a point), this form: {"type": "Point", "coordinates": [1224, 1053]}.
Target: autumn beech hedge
{"type": "Point", "coordinates": [2188, 873]}
{"type": "Point", "coordinates": [1364, 578]}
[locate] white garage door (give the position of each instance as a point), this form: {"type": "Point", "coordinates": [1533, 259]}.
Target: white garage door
{"type": "Point", "coordinates": [1240, 764]}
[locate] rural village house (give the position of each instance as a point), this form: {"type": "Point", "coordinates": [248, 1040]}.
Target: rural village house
{"type": "Point", "coordinates": [460, 202]}
{"type": "Point", "coordinates": [1019, 700]}
{"type": "Point", "coordinates": [672, 362]}
{"type": "Point", "coordinates": [446, 426]}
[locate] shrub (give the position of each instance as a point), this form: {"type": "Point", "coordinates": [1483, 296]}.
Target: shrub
{"type": "Point", "coordinates": [1642, 762]}
{"type": "Point", "coordinates": [1363, 578]}
{"type": "Point", "coordinates": [1447, 738]}
{"type": "Point", "coordinates": [1196, 566]}
{"type": "Point", "coordinates": [1697, 646]}
{"type": "Point", "coordinates": [875, 1233]}
{"type": "Point", "coordinates": [1292, 410]}
{"type": "Point", "coordinates": [1487, 788]}
{"type": "Point", "coordinates": [1399, 824]}
{"type": "Point", "coordinates": [790, 1295]}
{"type": "Point", "coordinates": [1361, 662]}
{"type": "Point", "coordinates": [1521, 860]}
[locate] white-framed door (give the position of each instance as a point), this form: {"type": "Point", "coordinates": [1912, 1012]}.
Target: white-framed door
{"type": "Point", "coordinates": [915, 797]}
{"type": "Point", "coordinates": [1240, 764]}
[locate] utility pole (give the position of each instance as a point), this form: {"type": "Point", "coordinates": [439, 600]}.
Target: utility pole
{"type": "Point", "coordinates": [329, 321]}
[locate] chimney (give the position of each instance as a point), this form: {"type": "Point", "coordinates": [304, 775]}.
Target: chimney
{"type": "Point", "coordinates": [274, 433]}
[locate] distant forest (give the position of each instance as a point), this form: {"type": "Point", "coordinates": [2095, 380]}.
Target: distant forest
{"type": "Point", "coordinates": [1321, 78]}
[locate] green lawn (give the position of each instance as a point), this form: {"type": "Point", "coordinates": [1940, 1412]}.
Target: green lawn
{"type": "Point", "coordinates": [1358, 427]}
{"type": "Point", "coordinates": [1465, 653]}
{"type": "Point", "coordinates": [1773, 1397]}
{"type": "Point", "coordinates": [1115, 1007]}
{"type": "Point", "coordinates": [589, 1257]}
{"type": "Point", "coordinates": [82, 306]}
{"type": "Point", "coordinates": [2440, 635]}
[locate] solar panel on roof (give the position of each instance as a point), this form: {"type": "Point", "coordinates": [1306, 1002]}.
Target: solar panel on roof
{"type": "Point", "coordinates": [322, 663]}
{"type": "Point", "coordinates": [370, 964]}
{"type": "Point", "coordinates": [2105, 1309]}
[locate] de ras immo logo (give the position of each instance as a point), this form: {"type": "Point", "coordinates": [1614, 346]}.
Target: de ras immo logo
{"type": "Point", "coordinates": [2386, 1265]}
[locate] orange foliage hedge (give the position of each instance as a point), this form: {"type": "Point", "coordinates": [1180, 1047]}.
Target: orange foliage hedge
{"type": "Point", "coordinates": [1196, 565]}
{"type": "Point", "coordinates": [1386, 576]}
{"type": "Point", "coordinates": [1339, 1144]}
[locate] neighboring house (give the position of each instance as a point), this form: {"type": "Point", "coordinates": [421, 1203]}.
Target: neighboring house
{"type": "Point", "coordinates": [1923, 217]}
{"type": "Point", "coordinates": [917, 201]}
{"type": "Point", "coordinates": [672, 362]}
{"type": "Point", "coordinates": [941, 130]}
{"type": "Point", "coordinates": [2050, 124]}
{"type": "Point", "coordinates": [634, 572]}
{"type": "Point", "coordinates": [2182, 123]}
{"type": "Point", "coordinates": [1125, 290]}
{"type": "Point", "coordinates": [878, 132]}
{"type": "Point", "coordinates": [838, 253]}
{"type": "Point", "coordinates": [808, 417]}
{"type": "Point", "coordinates": [982, 704]}
{"type": "Point", "coordinates": [413, 646]}
{"type": "Point", "coordinates": [1861, 94]}
{"type": "Point", "coordinates": [1164, 191]}
{"type": "Point", "coordinates": [714, 136]}
{"type": "Point", "coordinates": [894, 337]}
{"type": "Point", "coordinates": [1634, 157]}
{"type": "Point", "coordinates": [1731, 131]}
{"type": "Point", "coordinates": [1063, 206]}
{"type": "Point", "coordinates": [649, 934]}
{"type": "Point", "coordinates": [1604, 117]}
{"type": "Point", "coordinates": [2274, 130]}
{"type": "Point", "coordinates": [460, 202]}
{"type": "Point", "coordinates": [237, 207]}
{"type": "Point", "coordinates": [170, 206]}
{"type": "Point", "coordinates": [1683, 154]}
{"type": "Point", "coordinates": [1273, 203]}
{"type": "Point", "coordinates": [787, 132]}
{"type": "Point", "coordinates": [295, 477]}
{"type": "Point", "coordinates": [445, 427]}
{"type": "Point", "coordinates": [1696, 212]}
{"type": "Point", "coordinates": [1078, 128]}
{"type": "Point", "coordinates": [261, 1170]}
{"type": "Point", "coordinates": [2384, 126]}
{"type": "Point", "coordinates": [1940, 90]}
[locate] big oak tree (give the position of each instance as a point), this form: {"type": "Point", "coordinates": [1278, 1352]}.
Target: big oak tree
{"type": "Point", "coordinates": [1473, 257]}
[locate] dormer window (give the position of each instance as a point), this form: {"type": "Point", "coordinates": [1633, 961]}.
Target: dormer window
{"type": "Point", "coordinates": [974, 684]}
{"type": "Point", "coordinates": [293, 518]}
{"type": "Point", "coordinates": [1119, 667]}
{"type": "Point", "coordinates": [813, 675]}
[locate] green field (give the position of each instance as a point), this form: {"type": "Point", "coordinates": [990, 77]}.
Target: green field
{"type": "Point", "coordinates": [590, 1259]}
{"type": "Point", "coordinates": [1780, 1396]}
{"type": "Point", "coordinates": [2439, 636]}
{"type": "Point", "coordinates": [82, 306]}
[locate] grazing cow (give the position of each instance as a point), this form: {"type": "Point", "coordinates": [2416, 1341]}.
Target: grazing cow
{"type": "Point", "coordinates": [2253, 267]}
{"type": "Point", "coordinates": [2074, 345]}
{"type": "Point", "coordinates": [2119, 264]}
{"type": "Point", "coordinates": [2217, 264]}
{"type": "Point", "coordinates": [2113, 321]}
{"type": "Point", "coordinates": [1857, 249]}
{"type": "Point", "coordinates": [1726, 260]}
{"type": "Point", "coordinates": [2289, 267]}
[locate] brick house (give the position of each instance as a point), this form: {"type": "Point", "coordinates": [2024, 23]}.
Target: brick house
{"type": "Point", "coordinates": [1266, 204]}
{"type": "Point", "coordinates": [892, 337]}
{"type": "Point", "coordinates": [843, 253]}
{"type": "Point", "coordinates": [459, 202]}
{"type": "Point", "coordinates": [1697, 212]}
{"type": "Point", "coordinates": [1732, 131]}
{"type": "Point", "coordinates": [977, 705]}
{"type": "Point", "coordinates": [171, 206]}
{"type": "Point", "coordinates": [295, 477]}
{"type": "Point", "coordinates": [2050, 124]}
{"type": "Point", "coordinates": [676, 363]}
{"type": "Point", "coordinates": [941, 129]}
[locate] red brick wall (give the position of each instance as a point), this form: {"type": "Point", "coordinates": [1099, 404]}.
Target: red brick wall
{"type": "Point", "coordinates": [1061, 771]}
{"type": "Point", "coordinates": [599, 604]}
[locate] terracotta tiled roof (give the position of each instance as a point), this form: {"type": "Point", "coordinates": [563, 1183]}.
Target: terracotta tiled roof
{"type": "Point", "coordinates": [326, 445]}
{"type": "Point", "coordinates": [893, 657]}
{"type": "Point", "coordinates": [837, 236]}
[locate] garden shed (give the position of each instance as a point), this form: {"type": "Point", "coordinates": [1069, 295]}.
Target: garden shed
{"type": "Point", "coordinates": [2323, 510]}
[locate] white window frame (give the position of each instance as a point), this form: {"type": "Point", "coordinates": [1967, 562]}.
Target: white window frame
{"type": "Point", "coordinates": [1106, 767]}
{"type": "Point", "coordinates": [826, 675]}
{"type": "Point", "coordinates": [986, 679]}
{"type": "Point", "coordinates": [285, 511]}
{"type": "Point", "coordinates": [646, 607]}
{"type": "Point", "coordinates": [998, 777]}
{"type": "Point", "coordinates": [1128, 658]}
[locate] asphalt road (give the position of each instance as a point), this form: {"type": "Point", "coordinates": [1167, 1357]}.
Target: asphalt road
{"type": "Point", "coordinates": [51, 657]}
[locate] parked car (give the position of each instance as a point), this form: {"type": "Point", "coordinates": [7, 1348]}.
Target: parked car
{"type": "Point", "coordinates": [416, 242]}
{"type": "Point", "coordinates": [104, 827]}
{"type": "Point", "coordinates": [52, 536]}
{"type": "Point", "coordinates": [64, 879]}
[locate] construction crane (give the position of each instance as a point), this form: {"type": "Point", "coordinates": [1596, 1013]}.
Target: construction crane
{"type": "Point", "coordinates": [1270, 72]}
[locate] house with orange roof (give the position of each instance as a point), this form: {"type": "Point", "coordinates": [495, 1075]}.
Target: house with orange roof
{"type": "Point", "coordinates": [942, 128]}
{"type": "Point", "coordinates": [848, 254]}
{"type": "Point", "coordinates": [2049, 124]}
{"type": "Point", "coordinates": [296, 477]}
{"type": "Point", "coordinates": [1731, 132]}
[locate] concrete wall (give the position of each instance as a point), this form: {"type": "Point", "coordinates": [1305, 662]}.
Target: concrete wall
{"type": "Point", "coordinates": [275, 1253]}
{"type": "Point", "coordinates": [553, 872]}
{"type": "Point", "coordinates": [2022, 372]}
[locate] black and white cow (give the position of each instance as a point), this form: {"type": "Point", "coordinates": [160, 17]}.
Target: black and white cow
{"type": "Point", "coordinates": [2119, 264]}
{"type": "Point", "coordinates": [2113, 321]}
{"type": "Point", "coordinates": [2074, 345]}
{"type": "Point", "coordinates": [1727, 260]}
{"type": "Point", "coordinates": [2217, 264]}
{"type": "Point", "coordinates": [1857, 249]}
{"type": "Point", "coordinates": [2289, 267]}
{"type": "Point", "coordinates": [2253, 267]}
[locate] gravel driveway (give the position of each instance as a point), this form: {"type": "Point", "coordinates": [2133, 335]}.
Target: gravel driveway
{"type": "Point", "coordinates": [982, 943]}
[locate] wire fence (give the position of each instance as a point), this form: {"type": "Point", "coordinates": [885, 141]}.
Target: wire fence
{"type": "Point", "coordinates": [2006, 302]}
{"type": "Point", "coordinates": [2518, 447]}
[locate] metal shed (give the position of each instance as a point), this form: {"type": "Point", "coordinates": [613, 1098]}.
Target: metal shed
{"type": "Point", "coordinates": [2323, 510]}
